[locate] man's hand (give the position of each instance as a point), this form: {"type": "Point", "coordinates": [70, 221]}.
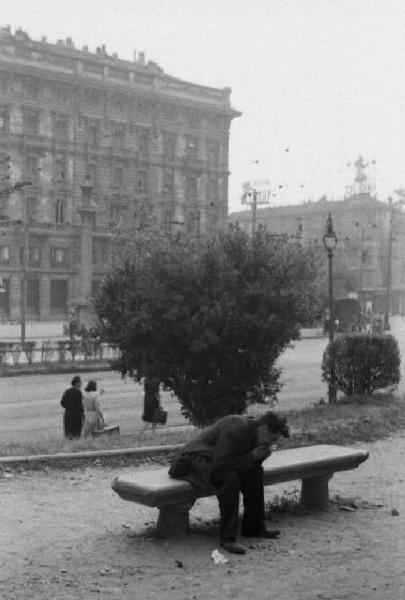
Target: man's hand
{"type": "Point", "coordinates": [260, 453]}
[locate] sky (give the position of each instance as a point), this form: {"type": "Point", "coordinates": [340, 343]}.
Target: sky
{"type": "Point", "coordinates": [318, 82]}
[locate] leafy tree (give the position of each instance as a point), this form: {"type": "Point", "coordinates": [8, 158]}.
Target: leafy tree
{"type": "Point", "coordinates": [208, 318]}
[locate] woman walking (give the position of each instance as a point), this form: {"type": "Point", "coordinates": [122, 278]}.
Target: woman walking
{"type": "Point", "coordinates": [151, 402]}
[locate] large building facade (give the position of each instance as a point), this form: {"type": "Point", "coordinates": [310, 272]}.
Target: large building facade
{"type": "Point", "coordinates": [370, 233]}
{"type": "Point", "coordinates": [146, 143]}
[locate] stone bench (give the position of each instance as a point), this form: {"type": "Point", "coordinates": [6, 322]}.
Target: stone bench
{"type": "Point", "coordinates": [314, 465]}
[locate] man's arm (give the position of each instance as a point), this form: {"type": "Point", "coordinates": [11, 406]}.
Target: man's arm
{"type": "Point", "coordinates": [228, 455]}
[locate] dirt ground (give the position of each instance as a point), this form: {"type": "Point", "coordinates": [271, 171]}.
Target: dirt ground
{"type": "Point", "coordinates": [67, 535]}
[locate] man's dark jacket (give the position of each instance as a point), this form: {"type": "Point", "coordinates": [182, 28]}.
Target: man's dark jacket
{"type": "Point", "coordinates": [224, 446]}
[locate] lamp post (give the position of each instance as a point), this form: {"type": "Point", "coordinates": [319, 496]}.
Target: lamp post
{"type": "Point", "coordinates": [330, 242]}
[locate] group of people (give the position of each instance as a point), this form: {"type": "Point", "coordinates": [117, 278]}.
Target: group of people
{"type": "Point", "coordinates": [83, 413]}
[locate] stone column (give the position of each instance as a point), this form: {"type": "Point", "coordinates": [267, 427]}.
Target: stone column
{"type": "Point", "coordinates": [87, 213]}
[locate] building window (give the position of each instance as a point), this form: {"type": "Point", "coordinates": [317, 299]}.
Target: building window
{"type": "Point", "coordinates": [142, 108]}
{"type": "Point", "coordinates": [191, 147]}
{"type": "Point", "coordinates": [31, 123]}
{"type": "Point", "coordinates": [60, 168]}
{"type": "Point", "coordinates": [169, 146]}
{"type": "Point", "coordinates": [213, 152]}
{"type": "Point", "coordinates": [34, 256]}
{"type": "Point", "coordinates": [31, 207]}
{"type": "Point", "coordinates": [31, 86]}
{"type": "Point", "coordinates": [117, 213]}
{"type": "Point", "coordinates": [60, 212]}
{"type": "Point", "coordinates": [100, 254]}
{"type": "Point", "coordinates": [119, 106]}
{"type": "Point", "coordinates": [213, 189]}
{"type": "Point", "coordinates": [61, 128]}
{"type": "Point", "coordinates": [191, 187]}
{"type": "Point", "coordinates": [95, 287]}
{"type": "Point", "coordinates": [118, 134]}
{"type": "Point", "coordinates": [118, 177]}
{"type": "Point", "coordinates": [92, 134]}
{"type": "Point", "coordinates": [193, 222]}
{"type": "Point", "coordinates": [193, 118]}
{"type": "Point", "coordinates": [59, 257]}
{"type": "Point", "coordinates": [169, 112]}
{"type": "Point", "coordinates": [143, 141]}
{"type": "Point", "coordinates": [168, 182]}
{"type": "Point", "coordinates": [92, 173]}
{"type": "Point", "coordinates": [142, 181]}
{"type": "Point", "coordinates": [5, 299]}
{"type": "Point", "coordinates": [32, 167]}
{"type": "Point", "coordinates": [4, 119]}
{"type": "Point", "coordinates": [59, 297]}
{"type": "Point", "coordinates": [33, 296]}
{"type": "Point", "coordinates": [4, 255]}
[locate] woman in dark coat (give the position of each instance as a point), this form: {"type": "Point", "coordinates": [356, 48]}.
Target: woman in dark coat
{"type": "Point", "coordinates": [151, 401]}
{"type": "Point", "coordinates": [72, 402]}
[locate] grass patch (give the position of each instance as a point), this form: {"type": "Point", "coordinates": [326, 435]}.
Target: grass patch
{"type": "Point", "coordinates": [364, 419]}
{"type": "Point", "coordinates": [356, 419]}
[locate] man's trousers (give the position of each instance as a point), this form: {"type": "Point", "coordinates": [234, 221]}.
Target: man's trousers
{"type": "Point", "coordinates": [229, 484]}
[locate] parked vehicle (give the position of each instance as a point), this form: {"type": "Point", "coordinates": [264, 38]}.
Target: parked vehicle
{"type": "Point", "coordinates": [347, 316]}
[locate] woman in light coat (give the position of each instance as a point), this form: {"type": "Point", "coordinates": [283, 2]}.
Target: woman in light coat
{"type": "Point", "coordinates": [93, 415]}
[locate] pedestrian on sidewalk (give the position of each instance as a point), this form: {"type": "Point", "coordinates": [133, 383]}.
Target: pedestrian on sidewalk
{"type": "Point", "coordinates": [72, 402]}
{"type": "Point", "coordinates": [228, 455]}
{"type": "Point", "coordinates": [151, 402]}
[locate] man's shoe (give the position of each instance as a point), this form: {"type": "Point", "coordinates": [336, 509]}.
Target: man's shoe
{"type": "Point", "coordinates": [265, 533]}
{"type": "Point", "coordinates": [233, 547]}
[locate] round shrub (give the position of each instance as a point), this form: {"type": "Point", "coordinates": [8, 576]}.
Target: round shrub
{"type": "Point", "coordinates": [363, 363]}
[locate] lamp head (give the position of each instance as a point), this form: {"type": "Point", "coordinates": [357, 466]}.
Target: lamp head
{"type": "Point", "coordinates": [329, 239]}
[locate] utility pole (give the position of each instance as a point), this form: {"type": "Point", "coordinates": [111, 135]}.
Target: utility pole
{"type": "Point", "coordinates": [24, 265]}
{"type": "Point", "coordinates": [388, 291]}
{"type": "Point", "coordinates": [253, 206]}
{"type": "Point", "coordinates": [254, 193]}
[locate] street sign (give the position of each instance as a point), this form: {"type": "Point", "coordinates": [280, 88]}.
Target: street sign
{"type": "Point", "coordinates": [256, 192]}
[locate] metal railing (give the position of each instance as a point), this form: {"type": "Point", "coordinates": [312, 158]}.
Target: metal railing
{"type": "Point", "coordinates": [51, 351]}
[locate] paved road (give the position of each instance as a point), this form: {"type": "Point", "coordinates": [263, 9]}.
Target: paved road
{"type": "Point", "coordinates": [29, 405]}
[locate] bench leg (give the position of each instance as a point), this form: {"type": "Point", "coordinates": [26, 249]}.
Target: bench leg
{"type": "Point", "coordinates": [173, 519]}
{"type": "Point", "coordinates": [315, 492]}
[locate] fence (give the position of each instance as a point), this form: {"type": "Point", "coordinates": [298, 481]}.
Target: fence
{"type": "Point", "coordinates": [47, 351]}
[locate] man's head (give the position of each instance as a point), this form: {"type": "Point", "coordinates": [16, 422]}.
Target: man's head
{"type": "Point", "coordinates": [272, 426]}
{"type": "Point", "coordinates": [76, 381]}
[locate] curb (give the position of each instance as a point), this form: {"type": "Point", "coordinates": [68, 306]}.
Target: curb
{"type": "Point", "coordinates": [141, 452]}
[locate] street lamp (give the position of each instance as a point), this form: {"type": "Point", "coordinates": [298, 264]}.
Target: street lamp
{"type": "Point", "coordinates": [330, 242]}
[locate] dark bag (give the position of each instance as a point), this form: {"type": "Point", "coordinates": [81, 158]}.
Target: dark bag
{"type": "Point", "coordinates": [160, 416]}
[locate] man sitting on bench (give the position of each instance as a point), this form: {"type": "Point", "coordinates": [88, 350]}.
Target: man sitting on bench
{"type": "Point", "coordinates": [228, 456]}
